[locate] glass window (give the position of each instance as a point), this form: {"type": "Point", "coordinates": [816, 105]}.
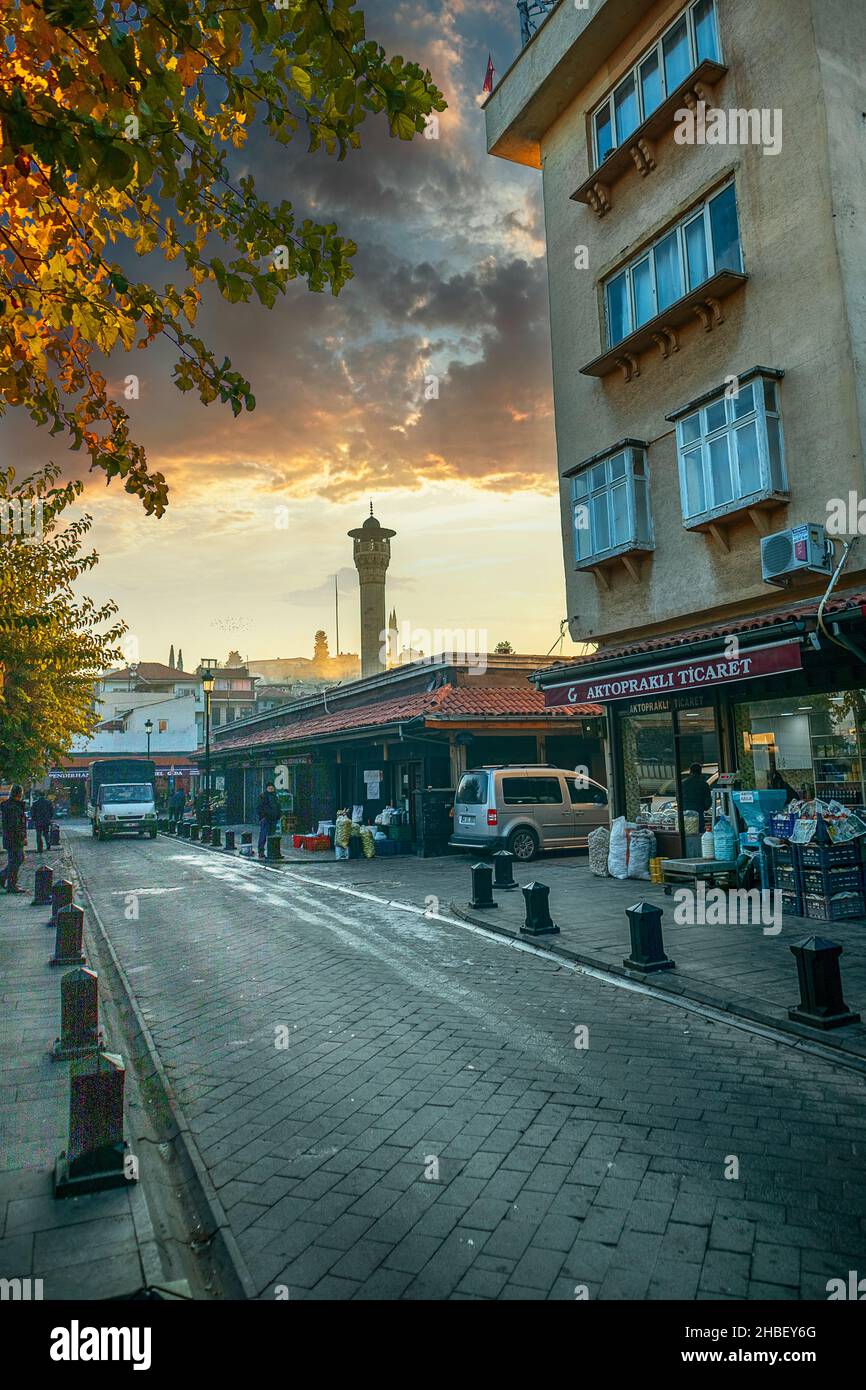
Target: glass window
{"type": "Point", "coordinates": [603, 133]}
{"type": "Point", "coordinates": [668, 272]}
{"type": "Point", "coordinates": [626, 108]}
{"type": "Point", "coordinates": [611, 506]}
{"type": "Point", "coordinates": [659, 70]}
{"type": "Point", "coordinates": [651, 84]}
{"type": "Point", "coordinates": [472, 790]}
{"type": "Point", "coordinates": [725, 231]}
{"type": "Point", "coordinates": [644, 292]}
{"type": "Point", "coordinates": [696, 252]}
{"type": "Point", "coordinates": [618, 312]}
{"type": "Point", "coordinates": [587, 794]}
{"type": "Point", "coordinates": [730, 452]}
{"type": "Point", "coordinates": [531, 791]}
{"type": "Point", "coordinates": [803, 746]}
{"type": "Point", "coordinates": [706, 33]}
{"type": "Point", "coordinates": [678, 57]}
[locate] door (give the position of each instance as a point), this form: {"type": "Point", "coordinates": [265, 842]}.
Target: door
{"type": "Point", "coordinates": [542, 801]}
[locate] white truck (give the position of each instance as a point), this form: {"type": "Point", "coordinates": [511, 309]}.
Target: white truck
{"type": "Point", "coordinates": [121, 797]}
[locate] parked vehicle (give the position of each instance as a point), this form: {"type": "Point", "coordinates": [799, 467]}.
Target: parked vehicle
{"type": "Point", "coordinates": [121, 798]}
{"type": "Point", "coordinates": [526, 809]}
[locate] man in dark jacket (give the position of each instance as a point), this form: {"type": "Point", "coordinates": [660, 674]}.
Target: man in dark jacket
{"type": "Point", "coordinates": [268, 812]}
{"type": "Point", "coordinates": [178, 804]}
{"type": "Point", "coordinates": [697, 795]}
{"type": "Point", "coordinates": [42, 814]}
{"type": "Point", "coordinates": [13, 819]}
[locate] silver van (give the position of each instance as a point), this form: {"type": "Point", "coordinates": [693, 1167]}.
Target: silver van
{"type": "Point", "coordinates": [526, 809]}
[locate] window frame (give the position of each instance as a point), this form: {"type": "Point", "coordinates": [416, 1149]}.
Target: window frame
{"type": "Point", "coordinates": [759, 415]}
{"type": "Point", "coordinates": [634, 72]}
{"type": "Point", "coordinates": [634, 454]}
{"type": "Point", "coordinates": [647, 253]}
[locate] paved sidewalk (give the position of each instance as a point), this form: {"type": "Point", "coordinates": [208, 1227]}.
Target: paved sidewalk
{"type": "Point", "coordinates": [92, 1247]}
{"type": "Point", "coordinates": [738, 969]}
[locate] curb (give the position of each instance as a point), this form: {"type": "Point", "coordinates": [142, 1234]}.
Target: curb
{"type": "Point", "coordinates": [832, 1047]}
{"type": "Point", "coordinates": [205, 1195]}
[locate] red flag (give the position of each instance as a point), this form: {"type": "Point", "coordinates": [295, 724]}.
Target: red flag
{"type": "Point", "coordinates": [488, 80]}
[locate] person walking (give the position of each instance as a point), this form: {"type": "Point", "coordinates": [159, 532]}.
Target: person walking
{"type": "Point", "coordinates": [42, 814]}
{"type": "Point", "coordinates": [178, 803]}
{"type": "Point", "coordinates": [268, 812]}
{"type": "Point", "coordinates": [13, 819]}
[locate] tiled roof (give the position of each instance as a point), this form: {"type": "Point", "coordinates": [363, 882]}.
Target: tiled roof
{"type": "Point", "coordinates": [150, 671]}
{"type": "Point", "coordinates": [751, 622]}
{"type": "Point", "coordinates": [436, 705]}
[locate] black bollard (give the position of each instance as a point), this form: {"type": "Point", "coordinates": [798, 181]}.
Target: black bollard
{"type": "Point", "coordinates": [647, 946]}
{"type": "Point", "coordinates": [482, 887]}
{"type": "Point", "coordinates": [79, 1016]}
{"type": "Point", "coordinates": [54, 836]}
{"type": "Point", "coordinates": [273, 851]}
{"type": "Point", "coordinates": [246, 837]}
{"type": "Point", "coordinates": [185, 829]}
{"type": "Point", "coordinates": [43, 880]}
{"type": "Point", "coordinates": [230, 839]}
{"type": "Point", "coordinates": [97, 1154]}
{"type": "Point", "coordinates": [216, 836]}
{"type": "Point", "coordinates": [538, 919]}
{"type": "Point", "coordinates": [61, 896]}
{"type": "Point", "coordinates": [70, 933]}
{"type": "Point", "coordinates": [503, 870]}
{"type": "Point", "coordinates": [193, 832]}
{"type": "Point", "coordinates": [821, 1003]}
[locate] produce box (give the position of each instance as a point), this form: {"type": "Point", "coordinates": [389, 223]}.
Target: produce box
{"type": "Point", "coordinates": [835, 909]}
{"type": "Point", "coordinates": [829, 856]}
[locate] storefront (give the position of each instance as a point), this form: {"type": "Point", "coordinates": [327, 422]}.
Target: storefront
{"type": "Point", "coordinates": [778, 703]}
{"type": "Point", "coordinates": [68, 780]}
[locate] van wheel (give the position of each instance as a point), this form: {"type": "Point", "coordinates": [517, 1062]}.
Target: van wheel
{"type": "Point", "coordinates": [523, 844]}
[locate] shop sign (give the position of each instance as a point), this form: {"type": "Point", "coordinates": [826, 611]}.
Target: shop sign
{"type": "Point", "coordinates": [680, 676]}
{"type": "Point", "coordinates": [68, 774]}
{"type": "Point", "coordinates": [662, 706]}
{"type": "Point", "coordinates": [373, 783]}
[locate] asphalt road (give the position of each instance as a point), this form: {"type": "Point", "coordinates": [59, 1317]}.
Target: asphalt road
{"type": "Point", "coordinates": [394, 1106]}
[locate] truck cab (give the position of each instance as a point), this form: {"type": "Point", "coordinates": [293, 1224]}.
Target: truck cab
{"type": "Point", "coordinates": [122, 800]}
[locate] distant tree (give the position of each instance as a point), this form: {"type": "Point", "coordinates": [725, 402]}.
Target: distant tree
{"type": "Point", "coordinates": [503, 649]}
{"type": "Point", "coordinates": [321, 654]}
{"type": "Point", "coordinates": [53, 643]}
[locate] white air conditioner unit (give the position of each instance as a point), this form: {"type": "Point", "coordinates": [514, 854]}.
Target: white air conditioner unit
{"type": "Point", "coordinates": [803, 549]}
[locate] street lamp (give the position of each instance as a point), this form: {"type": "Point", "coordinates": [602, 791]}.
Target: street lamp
{"type": "Point", "coordinates": [207, 685]}
{"type": "Point", "coordinates": [148, 729]}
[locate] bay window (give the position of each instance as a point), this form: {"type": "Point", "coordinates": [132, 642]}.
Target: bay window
{"type": "Point", "coordinates": [691, 39]}
{"type": "Point", "coordinates": [730, 449]}
{"type": "Point", "coordinates": [704, 243]}
{"type": "Point", "coordinates": [611, 504]}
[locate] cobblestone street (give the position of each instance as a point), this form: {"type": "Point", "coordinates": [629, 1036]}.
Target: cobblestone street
{"type": "Point", "coordinates": [393, 1106]}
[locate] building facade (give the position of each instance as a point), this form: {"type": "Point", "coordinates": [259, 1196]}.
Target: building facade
{"type": "Point", "coordinates": [704, 184]}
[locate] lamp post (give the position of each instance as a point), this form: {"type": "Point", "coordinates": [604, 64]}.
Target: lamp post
{"type": "Point", "coordinates": [207, 685]}
{"type": "Point", "coordinates": [148, 729]}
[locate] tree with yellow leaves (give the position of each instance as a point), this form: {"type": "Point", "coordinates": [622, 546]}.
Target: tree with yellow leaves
{"type": "Point", "coordinates": [117, 120]}
{"type": "Point", "coordinates": [53, 644]}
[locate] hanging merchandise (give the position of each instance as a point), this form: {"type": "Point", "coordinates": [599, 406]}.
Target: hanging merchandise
{"type": "Point", "coordinates": [368, 845]}
{"type": "Point", "coordinates": [724, 839]}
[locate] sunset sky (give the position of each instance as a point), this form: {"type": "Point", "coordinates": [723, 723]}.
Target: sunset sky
{"type": "Point", "coordinates": [450, 279]}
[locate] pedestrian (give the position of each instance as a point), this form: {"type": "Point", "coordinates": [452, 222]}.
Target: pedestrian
{"type": "Point", "coordinates": [13, 818]}
{"type": "Point", "coordinates": [178, 803]}
{"type": "Point", "coordinates": [268, 812]}
{"type": "Point", "coordinates": [42, 814]}
{"type": "Point", "coordinates": [696, 795]}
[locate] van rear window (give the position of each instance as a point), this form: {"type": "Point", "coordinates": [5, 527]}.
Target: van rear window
{"type": "Point", "coordinates": [531, 791]}
{"type": "Point", "coordinates": [472, 790]}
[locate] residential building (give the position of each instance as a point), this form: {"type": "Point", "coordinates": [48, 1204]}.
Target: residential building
{"type": "Point", "coordinates": [704, 181]}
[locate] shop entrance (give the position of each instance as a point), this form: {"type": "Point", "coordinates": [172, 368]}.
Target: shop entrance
{"type": "Point", "coordinates": [659, 742]}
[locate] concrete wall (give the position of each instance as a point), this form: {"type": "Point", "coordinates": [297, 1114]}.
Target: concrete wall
{"type": "Point", "coordinates": [802, 232]}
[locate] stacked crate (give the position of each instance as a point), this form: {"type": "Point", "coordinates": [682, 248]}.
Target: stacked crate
{"type": "Point", "coordinates": [826, 872]}
{"type": "Point", "coordinates": [786, 877]}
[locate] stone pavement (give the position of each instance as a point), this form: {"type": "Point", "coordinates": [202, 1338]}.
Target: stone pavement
{"type": "Point", "coordinates": [395, 1107]}
{"type": "Point", "coordinates": [735, 968]}
{"type": "Point", "coordinates": [96, 1246]}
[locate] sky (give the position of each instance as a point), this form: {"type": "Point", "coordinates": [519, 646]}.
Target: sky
{"type": "Point", "coordinates": [450, 280]}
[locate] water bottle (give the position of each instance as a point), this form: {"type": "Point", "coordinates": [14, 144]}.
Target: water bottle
{"type": "Point", "coordinates": [724, 839]}
{"type": "Point", "coordinates": [708, 845]}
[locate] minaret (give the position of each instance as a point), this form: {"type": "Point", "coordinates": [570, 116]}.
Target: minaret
{"type": "Point", "coordinates": [372, 558]}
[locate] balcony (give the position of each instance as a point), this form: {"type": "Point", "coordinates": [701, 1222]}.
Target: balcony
{"type": "Point", "coordinates": [704, 303]}
{"type": "Point", "coordinates": [639, 149]}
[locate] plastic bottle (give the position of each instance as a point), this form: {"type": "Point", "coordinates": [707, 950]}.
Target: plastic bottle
{"type": "Point", "coordinates": [724, 839]}
{"type": "Point", "coordinates": [708, 845]}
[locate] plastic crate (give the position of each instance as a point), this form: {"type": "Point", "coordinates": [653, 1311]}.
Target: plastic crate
{"type": "Point", "coordinates": [792, 904]}
{"type": "Point", "coordinates": [824, 883]}
{"type": "Point", "coordinates": [829, 856]}
{"type": "Point", "coordinates": [787, 877]}
{"type": "Point", "coordinates": [834, 909]}
{"type": "Point", "coordinates": [386, 847]}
